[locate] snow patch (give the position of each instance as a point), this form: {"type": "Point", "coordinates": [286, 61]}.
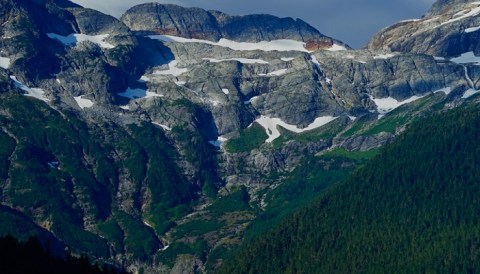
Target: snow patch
{"type": "Point", "coordinates": [144, 79]}
{"type": "Point", "coordinates": [385, 105]}
{"type": "Point", "coordinates": [4, 62]}
{"type": "Point", "coordinates": [219, 142]}
{"type": "Point", "coordinates": [287, 59]}
{"type": "Point", "coordinates": [172, 70]}
{"type": "Point", "coordinates": [138, 93]}
{"type": "Point", "coordinates": [447, 90]}
{"type": "Point", "coordinates": [467, 58]}
{"type": "Point", "coordinates": [53, 164]}
{"type": "Point", "coordinates": [384, 56]}
{"type": "Point", "coordinates": [474, 29]}
{"type": "Point", "coordinates": [31, 92]}
{"type": "Point", "coordinates": [336, 47]}
{"type": "Point", "coordinates": [226, 91]}
{"type": "Point", "coordinates": [270, 126]}
{"type": "Point", "coordinates": [249, 101]}
{"type": "Point", "coordinates": [74, 38]}
{"type": "Point", "coordinates": [274, 45]}
{"type": "Point", "coordinates": [83, 103]}
{"type": "Point", "coordinates": [180, 83]}
{"type": "Point", "coordinates": [314, 60]}
{"type": "Point", "coordinates": [275, 73]}
{"type": "Point", "coordinates": [241, 60]}
{"type": "Point", "coordinates": [167, 128]}
{"type": "Point", "coordinates": [328, 80]}
{"type": "Point", "coordinates": [352, 118]}
{"type": "Point", "coordinates": [469, 93]}
{"type": "Point", "coordinates": [126, 107]}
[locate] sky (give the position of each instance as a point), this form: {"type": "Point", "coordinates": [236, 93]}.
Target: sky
{"type": "Point", "coordinates": [351, 21]}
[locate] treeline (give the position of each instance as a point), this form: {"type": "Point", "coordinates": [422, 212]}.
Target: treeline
{"type": "Point", "coordinates": [30, 257]}
{"type": "Point", "coordinates": [412, 209]}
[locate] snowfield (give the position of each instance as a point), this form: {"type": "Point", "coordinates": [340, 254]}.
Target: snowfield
{"type": "Point", "coordinates": [274, 45]}
{"type": "Point", "coordinates": [279, 72]}
{"type": "Point", "coordinates": [31, 92]}
{"type": "Point", "coordinates": [167, 128]}
{"type": "Point", "coordinates": [469, 93]}
{"type": "Point", "coordinates": [270, 126]}
{"type": "Point", "coordinates": [384, 56]}
{"type": "Point", "coordinates": [385, 105]}
{"type": "Point", "coordinates": [241, 60]}
{"type": "Point", "coordinates": [74, 38]}
{"type": "Point", "coordinates": [172, 70]}
{"type": "Point", "coordinates": [467, 58]}
{"type": "Point", "coordinates": [4, 62]}
{"type": "Point", "coordinates": [83, 103]}
{"type": "Point", "coordinates": [336, 47]}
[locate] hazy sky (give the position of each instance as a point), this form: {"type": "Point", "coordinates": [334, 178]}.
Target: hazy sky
{"type": "Point", "coordinates": [352, 21]}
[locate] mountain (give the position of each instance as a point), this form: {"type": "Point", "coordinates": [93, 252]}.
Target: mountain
{"type": "Point", "coordinates": [155, 18]}
{"type": "Point", "coordinates": [159, 141]}
{"type": "Point", "coordinates": [449, 29]}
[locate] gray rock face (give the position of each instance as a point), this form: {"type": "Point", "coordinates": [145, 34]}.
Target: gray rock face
{"type": "Point", "coordinates": [448, 29]}
{"type": "Point", "coordinates": [155, 18]}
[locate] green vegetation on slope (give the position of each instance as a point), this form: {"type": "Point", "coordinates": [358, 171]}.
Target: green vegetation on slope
{"type": "Point", "coordinates": [250, 138]}
{"type": "Point", "coordinates": [412, 209]}
{"type": "Point", "coordinates": [62, 171]}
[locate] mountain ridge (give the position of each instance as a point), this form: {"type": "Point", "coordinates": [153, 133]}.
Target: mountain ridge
{"type": "Point", "coordinates": [161, 152]}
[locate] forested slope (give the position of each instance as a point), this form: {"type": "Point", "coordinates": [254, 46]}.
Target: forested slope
{"type": "Point", "coordinates": [412, 209]}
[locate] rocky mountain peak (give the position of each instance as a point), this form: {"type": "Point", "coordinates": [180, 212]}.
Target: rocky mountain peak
{"type": "Point", "coordinates": [447, 6]}
{"type": "Point", "coordinates": [167, 19]}
{"type": "Point", "coordinates": [449, 29]}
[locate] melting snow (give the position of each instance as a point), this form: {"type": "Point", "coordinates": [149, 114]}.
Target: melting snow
{"type": "Point", "coordinates": [466, 58]}
{"type": "Point", "coordinates": [4, 62]}
{"type": "Point", "coordinates": [474, 29]}
{"type": "Point", "coordinates": [275, 73]}
{"type": "Point", "coordinates": [172, 70]}
{"type": "Point", "coordinates": [138, 93]}
{"type": "Point", "coordinates": [241, 60]}
{"type": "Point", "coordinates": [384, 56]}
{"type": "Point", "coordinates": [162, 126]}
{"type": "Point", "coordinates": [75, 38]}
{"type": "Point", "coordinates": [278, 45]}
{"type": "Point", "coordinates": [287, 59]}
{"type": "Point", "coordinates": [83, 103]}
{"type": "Point", "coordinates": [226, 91]}
{"type": "Point", "coordinates": [336, 47]}
{"type": "Point", "coordinates": [270, 125]}
{"type": "Point", "coordinates": [385, 105]}
{"type": "Point", "coordinates": [32, 92]}
{"type": "Point", "coordinates": [219, 142]}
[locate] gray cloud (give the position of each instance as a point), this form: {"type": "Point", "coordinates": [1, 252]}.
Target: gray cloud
{"type": "Point", "coordinates": [352, 21]}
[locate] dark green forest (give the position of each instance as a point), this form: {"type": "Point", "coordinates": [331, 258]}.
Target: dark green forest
{"type": "Point", "coordinates": [414, 208]}
{"type": "Point", "coordinates": [32, 258]}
